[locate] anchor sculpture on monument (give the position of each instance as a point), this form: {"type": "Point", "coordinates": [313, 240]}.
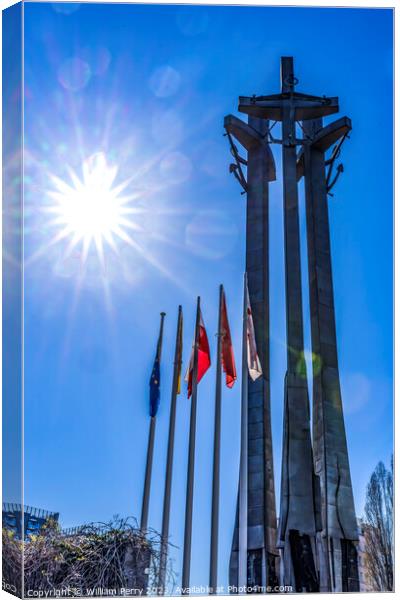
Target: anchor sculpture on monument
{"type": "Point", "coordinates": [314, 548]}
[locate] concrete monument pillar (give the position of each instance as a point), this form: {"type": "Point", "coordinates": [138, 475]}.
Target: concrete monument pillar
{"type": "Point", "coordinates": [262, 563]}
{"type": "Point", "coordinates": [337, 549]}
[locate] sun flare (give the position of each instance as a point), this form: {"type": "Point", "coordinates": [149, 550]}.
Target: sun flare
{"type": "Point", "coordinates": [92, 209]}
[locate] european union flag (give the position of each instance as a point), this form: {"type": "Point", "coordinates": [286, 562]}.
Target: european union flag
{"type": "Point", "coordinates": [155, 374]}
{"type": "Point", "coordinates": [155, 388]}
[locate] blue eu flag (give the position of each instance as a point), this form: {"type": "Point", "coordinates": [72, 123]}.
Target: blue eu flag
{"type": "Point", "coordinates": [155, 388]}
{"type": "Point", "coordinates": [155, 374]}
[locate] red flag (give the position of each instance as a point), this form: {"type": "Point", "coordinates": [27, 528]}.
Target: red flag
{"type": "Point", "coordinates": [204, 358]}
{"type": "Point", "coordinates": [228, 359]}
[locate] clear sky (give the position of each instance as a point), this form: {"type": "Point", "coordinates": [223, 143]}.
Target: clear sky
{"type": "Point", "coordinates": [145, 90]}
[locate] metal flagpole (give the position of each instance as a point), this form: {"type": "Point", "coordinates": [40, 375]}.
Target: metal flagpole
{"type": "Point", "coordinates": [242, 575]}
{"type": "Point", "coordinates": [190, 474]}
{"type": "Point", "coordinates": [150, 448]}
{"type": "Point", "coordinates": [217, 453]}
{"type": "Point", "coordinates": [170, 456]}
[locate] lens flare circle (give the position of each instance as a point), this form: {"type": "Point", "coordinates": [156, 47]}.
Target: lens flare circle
{"type": "Point", "coordinates": [74, 74]}
{"type": "Point", "coordinates": [164, 81]}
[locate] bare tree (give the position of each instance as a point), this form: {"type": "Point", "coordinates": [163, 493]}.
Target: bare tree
{"type": "Point", "coordinates": [97, 559]}
{"type": "Point", "coordinates": [378, 528]}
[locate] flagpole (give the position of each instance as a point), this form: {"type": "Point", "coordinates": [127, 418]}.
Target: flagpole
{"type": "Point", "coordinates": [170, 457]}
{"type": "Point", "coordinates": [216, 464]}
{"type": "Point", "coordinates": [242, 574]}
{"type": "Point", "coordinates": [150, 448]}
{"type": "Point", "coordinates": [187, 546]}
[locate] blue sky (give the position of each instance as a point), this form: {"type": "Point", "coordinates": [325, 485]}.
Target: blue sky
{"type": "Point", "coordinates": [148, 87]}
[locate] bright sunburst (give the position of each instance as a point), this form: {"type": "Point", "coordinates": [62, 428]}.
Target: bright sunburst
{"type": "Point", "coordinates": [92, 209]}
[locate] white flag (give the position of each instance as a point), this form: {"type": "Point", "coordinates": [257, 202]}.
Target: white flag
{"type": "Point", "coordinates": [253, 361]}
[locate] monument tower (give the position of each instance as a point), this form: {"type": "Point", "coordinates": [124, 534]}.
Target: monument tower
{"type": "Point", "coordinates": [317, 523]}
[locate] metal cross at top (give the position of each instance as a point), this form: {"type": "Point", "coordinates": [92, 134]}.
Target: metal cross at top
{"type": "Point", "coordinates": [296, 106]}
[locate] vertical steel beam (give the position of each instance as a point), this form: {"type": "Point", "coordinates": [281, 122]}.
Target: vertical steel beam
{"type": "Point", "coordinates": [217, 458]}
{"type": "Point", "coordinates": [261, 510]}
{"type": "Point", "coordinates": [244, 452]}
{"type": "Point", "coordinates": [150, 446]}
{"type": "Point", "coordinates": [329, 436]}
{"type": "Point", "coordinates": [170, 457]}
{"type": "Point", "coordinates": [187, 544]}
{"type": "Point", "coordinates": [298, 514]}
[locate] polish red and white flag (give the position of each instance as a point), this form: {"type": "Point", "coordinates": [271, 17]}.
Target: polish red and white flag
{"type": "Point", "coordinates": [204, 358]}
{"type": "Point", "coordinates": [253, 360]}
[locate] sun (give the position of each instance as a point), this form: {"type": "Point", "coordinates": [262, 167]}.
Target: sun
{"type": "Point", "coordinates": [92, 210]}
